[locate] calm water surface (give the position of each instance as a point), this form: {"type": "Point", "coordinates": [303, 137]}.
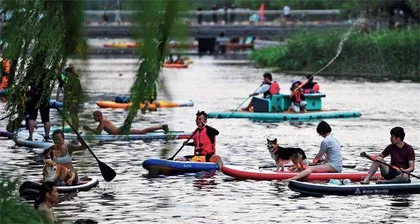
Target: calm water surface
{"type": "Point", "coordinates": [218, 85]}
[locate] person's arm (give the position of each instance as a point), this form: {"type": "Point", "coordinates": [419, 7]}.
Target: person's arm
{"type": "Point", "coordinates": [74, 148]}
{"type": "Point", "coordinates": [98, 129]}
{"type": "Point", "coordinates": [264, 88]}
{"type": "Point", "coordinates": [410, 166]}
{"type": "Point", "coordinates": [322, 151]}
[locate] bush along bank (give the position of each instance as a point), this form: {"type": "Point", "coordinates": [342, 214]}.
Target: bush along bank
{"type": "Point", "coordinates": [389, 54]}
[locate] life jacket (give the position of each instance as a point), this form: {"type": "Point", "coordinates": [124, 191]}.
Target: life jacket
{"type": "Point", "coordinates": [4, 82]}
{"type": "Point", "coordinates": [203, 144]}
{"type": "Point", "coordinates": [314, 88]}
{"type": "Point", "coordinates": [6, 66]}
{"type": "Point", "coordinates": [297, 96]}
{"type": "Point", "coordinates": [274, 89]}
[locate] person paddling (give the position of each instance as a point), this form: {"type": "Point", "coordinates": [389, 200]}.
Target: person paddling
{"type": "Point", "coordinates": [110, 128]}
{"type": "Point", "coordinates": [268, 88]}
{"type": "Point", "coordinates": [330, 148]}
{"type": "Point", "coordinates": [402, 156]}
{"type": "Point", "coordinates": [204, 142]}
{"type": "Point", "coordinates": [48, 195]}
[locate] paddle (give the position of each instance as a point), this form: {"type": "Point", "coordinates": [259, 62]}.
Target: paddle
{"type": "Point", "coordinates": [311, 164]}
{"type": "Point", "coordinates": [364, 154]}
{"type": "Point", "coordinates": [107, 172]}
{"type": "Point", "coordinates": [302, 84]}
{"type": "Point", "coordinates": [6, 116]}
{"type": "Point", "coordinates": [173, 157]}
{"type": "Point", "coordinates": [243, 102]}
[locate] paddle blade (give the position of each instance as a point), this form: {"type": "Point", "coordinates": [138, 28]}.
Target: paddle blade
{"type": "Point", "coordinates": [107, 172]}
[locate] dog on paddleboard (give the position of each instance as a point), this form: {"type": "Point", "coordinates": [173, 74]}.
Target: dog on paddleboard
{"type": "Point", "coordinates": [283, 155]}
{"type": "Point", "coordinates": [57, 173]}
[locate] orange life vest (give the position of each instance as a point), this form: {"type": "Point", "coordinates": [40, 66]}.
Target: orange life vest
{"type": "Point", "coordinates": [203, 144]}
{"type": "Point", "coordinates": [274, 88]}
{"type": "Point", "coordinates": [4, 82]}
{"type": "Point", "coordinates": [6, 66]}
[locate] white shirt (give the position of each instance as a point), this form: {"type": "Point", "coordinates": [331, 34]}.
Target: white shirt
{"type": "Point", "coordinates": [264, 88]}
{"type": "Point", "coordinates": [286, 10]}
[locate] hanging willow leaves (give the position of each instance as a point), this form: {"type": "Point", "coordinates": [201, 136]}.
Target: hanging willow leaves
{"type": "Point", "coordinates": [38, 38]}
{"type": "Point", "coordinates": [158, 21]}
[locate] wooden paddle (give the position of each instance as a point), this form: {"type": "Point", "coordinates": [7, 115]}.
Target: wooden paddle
{"type": "Point", "coordinates": [173, 157]}
{"type": "Point", "coordinates": [364, 154]}
{"type": "Point", "coordinates": [311, 164]}
{"type": "Point", "coordinates": [107, 172]}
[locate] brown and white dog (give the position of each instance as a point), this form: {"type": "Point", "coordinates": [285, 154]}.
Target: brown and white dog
{"type": "Point", "coordinates": [57, 173]}
{"type": "Point", "coordinates": [283, 155]}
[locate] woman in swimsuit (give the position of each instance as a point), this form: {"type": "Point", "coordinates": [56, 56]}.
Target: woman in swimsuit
{"type": "Point", "coordinates": [61, 154]}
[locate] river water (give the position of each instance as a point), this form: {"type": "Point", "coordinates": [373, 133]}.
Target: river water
{"type": "Point", "coordinates": [218, 84]}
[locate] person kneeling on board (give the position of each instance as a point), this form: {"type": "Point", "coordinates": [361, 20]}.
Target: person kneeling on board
{"type": "Point", "coordinates": [297, 97]}
{"type": "Point", "coordinates": [402, 156]}
{"type": "Point", "coordinates": [330, 148]}
{"type": "Point", "coordinates": [110, 128]}
{"type": "Point", "coordinates": [204, 142]}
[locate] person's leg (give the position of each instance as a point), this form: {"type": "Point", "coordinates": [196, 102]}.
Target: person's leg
{"type": "Point", "coordinates": [216, 159]}
{"type": "Point", "coordinates": [31, 127]}
{"type": "Point", "coordinates": [45, 117]}
{"type": "Point", "coordinates": [324, 168]}
{"type": "Point", "coordinates": [74, 116]}
{"type": "Point", "coordinates": [373, 168]}
{"type": "Point", "coordinates": [303, 106]}
{"type": "Point", "coordinates": [147, 130]}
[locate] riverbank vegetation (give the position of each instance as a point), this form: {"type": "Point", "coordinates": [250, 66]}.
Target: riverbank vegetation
{"type": "Point", "coordinates": [392, 54]}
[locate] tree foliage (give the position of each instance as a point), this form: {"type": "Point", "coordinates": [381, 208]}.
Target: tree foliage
{"type": "Point", "coordinates": [159, 18]}
{"type": "Point", "coordinates": [39, 36]}
{"type": "Point", "coordinates": [10, 210]}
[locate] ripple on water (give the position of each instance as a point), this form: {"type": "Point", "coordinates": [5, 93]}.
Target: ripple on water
{"type": "Point", "coordinates": [214, 86]}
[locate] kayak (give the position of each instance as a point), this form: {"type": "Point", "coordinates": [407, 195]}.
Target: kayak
{"type": "Point", "coordinates": [163, 104]}
{"type": "Point", "coordinates": [354, 189]}
{"type": "Point", "coordinates": [170, 167]}
{"type": "Point", "coordinates": [286, 116]}
{"type": "Point", "coordinates": [122, 45]}
{"type": "Point", "coordinates": [240, 173]}
{"type": "Point", "coordinates": [175, 65]}
{"type": "Point", "coordinates": [30, 189]}
{"type": "Point", "coordinates": [158, 135]}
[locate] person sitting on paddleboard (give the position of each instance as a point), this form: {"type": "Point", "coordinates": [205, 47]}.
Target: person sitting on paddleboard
{"type": "Point", "coordinates": [297, 97]}
{"type": "Point", "coordinates": [268, 88]}
{"type": "Point", "coordinates": [310, 86]}
{"type": "Point", "coordinates": [110, 128]}
{"type": "Point", "coordinates": [402, 156]}
{"type": "Point", "coordinates": [179, 60]}
{"type": "Point", "coordinates": [61, 153]}
{"type": "Point", "coordinates": [204, 142]}
{"type": "Point", "coordinates": [48, 195]}
{"type": "Point", "coordinates": [330, 148]}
